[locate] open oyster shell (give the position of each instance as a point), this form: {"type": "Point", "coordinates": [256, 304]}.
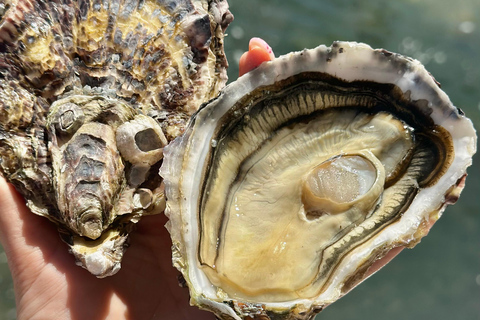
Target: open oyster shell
{"type": "Point", "coordinates": [285, 189]}
{"type": "Point", "coordinates": [90, 93]}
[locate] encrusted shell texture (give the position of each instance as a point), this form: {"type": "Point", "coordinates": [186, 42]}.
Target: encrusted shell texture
{"type": "Point", "coordinates": [90, 93]}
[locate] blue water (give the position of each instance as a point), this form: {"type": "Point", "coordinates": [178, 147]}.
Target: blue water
{"type": "Point", "coordinates": [440, 278]}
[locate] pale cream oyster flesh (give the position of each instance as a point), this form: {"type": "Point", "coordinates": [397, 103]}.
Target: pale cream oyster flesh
{"type": "Point", "coordinates": [285, 189]}
{"type": "Point", "coordinates": [90, 93]}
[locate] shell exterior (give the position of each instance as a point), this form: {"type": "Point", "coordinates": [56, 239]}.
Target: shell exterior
{"type": "Point", "coordinates": [90, 93]}
{"type": "Point", "coordinates": [285, 189]}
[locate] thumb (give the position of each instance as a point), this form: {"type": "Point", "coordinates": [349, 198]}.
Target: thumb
{"type": "Point", "coordinates": [12, 212]}
{"type": "Point", "coordinates": [23, 234]}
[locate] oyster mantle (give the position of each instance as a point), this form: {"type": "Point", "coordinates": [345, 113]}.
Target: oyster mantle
{"type": "Point", "coordinates": [285, 189]}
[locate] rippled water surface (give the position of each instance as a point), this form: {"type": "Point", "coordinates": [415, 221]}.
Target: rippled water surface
{"type": "Point", "coordinates": [440, 278]}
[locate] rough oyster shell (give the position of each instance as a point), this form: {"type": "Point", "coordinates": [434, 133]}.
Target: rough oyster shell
{"type": "Point", "coordinates": [286, 188]}
{"type": "Point", "coordinates": [90, 92]}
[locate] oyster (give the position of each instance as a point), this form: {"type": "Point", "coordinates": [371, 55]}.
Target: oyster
{"type": "Point", "coordinates": [90, 93]}
{"type": "Point", "coordinates": [285, 189]}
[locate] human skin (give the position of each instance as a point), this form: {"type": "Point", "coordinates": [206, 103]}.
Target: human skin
{"type": "Point", "coordinates": [48, 284]}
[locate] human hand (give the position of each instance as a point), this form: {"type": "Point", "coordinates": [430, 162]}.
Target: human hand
{"type": "Point", "coordinates": [48, 284]}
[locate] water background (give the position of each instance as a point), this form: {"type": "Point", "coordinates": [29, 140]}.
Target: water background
{"type": "Point", "coordinates": [440, 278]}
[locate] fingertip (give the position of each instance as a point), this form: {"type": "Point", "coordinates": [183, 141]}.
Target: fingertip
{"type": "Point", "coordinates": [258, 52]}
{"type": "Point", "coordinates": [243, 64]}
{"type": "Point", "coordinates": [260, 43]}
{"type": "Point", "coordinates": [252, 59]}
{"type": "Point", "coordinates": [379, 264]}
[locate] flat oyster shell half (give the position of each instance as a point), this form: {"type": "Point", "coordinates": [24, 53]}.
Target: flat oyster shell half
{"type": "Point", "coordinates": [90, 93]}
{"type": "Point", "coordinates": [286, 188]}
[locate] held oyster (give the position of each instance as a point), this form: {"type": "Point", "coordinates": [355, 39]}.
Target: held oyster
{"type": "Point", "coordinates": [90, 93]}
{"type": "Point", "coordinates": [285, 189]}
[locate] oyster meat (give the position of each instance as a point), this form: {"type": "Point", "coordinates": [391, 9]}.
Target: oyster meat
{"type": "Point", "coordinates": [90, 93]}
{"type": "Point", "coordinates": [285, 189]}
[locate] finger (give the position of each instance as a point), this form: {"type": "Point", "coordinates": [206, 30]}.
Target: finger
{"type": "Point", "coordinates": [18, 224]}
{"type": "Point", "coordinates": [148, 263]}
{"type": "Point", "coordinates": [258, 52]}
{"type": "Point", "coordinates": [28, 240]}
{"type": "Point", "coordinates": [379, 264]}
{"type": "Point", "coordinates": [260, 43]}
{"type": "Point", "coordinates": [11, 210]}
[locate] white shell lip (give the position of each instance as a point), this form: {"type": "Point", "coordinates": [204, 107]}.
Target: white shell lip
{"type": "Point", "coordinates": [349, 61]}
